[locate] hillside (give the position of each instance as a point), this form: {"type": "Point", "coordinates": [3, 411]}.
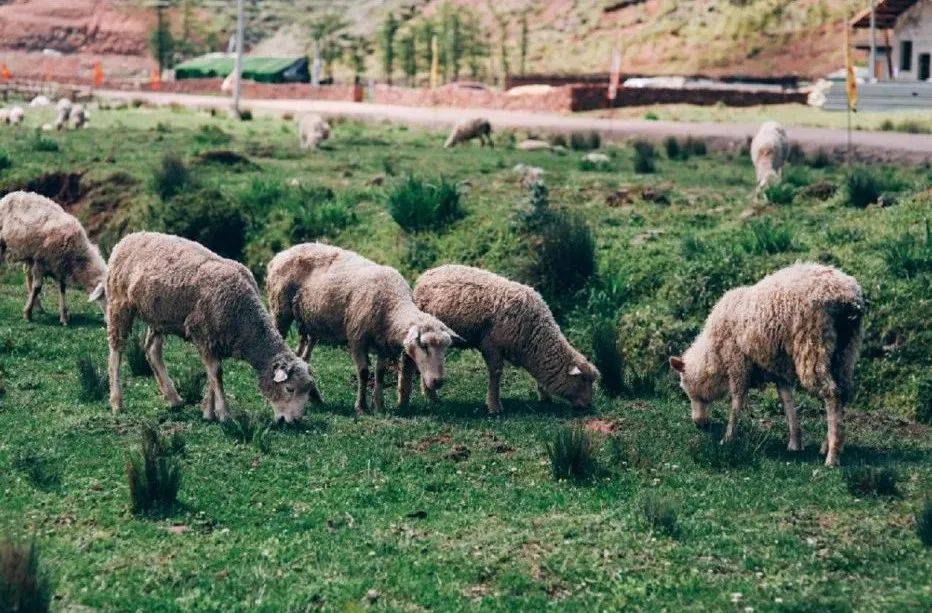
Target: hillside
{"type": "Point", "coordinates": [718, 37]}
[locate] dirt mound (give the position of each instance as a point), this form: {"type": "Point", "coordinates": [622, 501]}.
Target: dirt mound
{"type": "Point", "coordinates": [62, 187]}
{"type": "Point", "coordinates": [225, 157]}
{"type": "Point", "coordinates": [104, 198]}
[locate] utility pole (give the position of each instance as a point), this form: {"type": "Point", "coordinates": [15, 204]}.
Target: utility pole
{"type": "Point", "coordinates": [238, 68]}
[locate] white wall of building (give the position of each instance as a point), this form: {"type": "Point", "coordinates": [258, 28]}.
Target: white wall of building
{"type": "Point", "coordinates": [914, 25]}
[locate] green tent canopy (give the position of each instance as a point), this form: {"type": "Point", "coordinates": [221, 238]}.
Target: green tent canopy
{"type": "Point", "coordinates": [259, 69]}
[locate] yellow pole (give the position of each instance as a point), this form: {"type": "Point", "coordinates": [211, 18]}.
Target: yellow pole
{"type": "Point", "coordinates": [434, 62]}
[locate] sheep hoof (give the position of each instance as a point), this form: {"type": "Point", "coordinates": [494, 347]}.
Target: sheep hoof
{"type": "Point", "coordinates": [793, 446]}
{"type": "Point", "coordinates": [831, 460]}
{"type": "Point", "coordinates": [824, 449]}
{"type": "Point", "coordinates": [360, 410]}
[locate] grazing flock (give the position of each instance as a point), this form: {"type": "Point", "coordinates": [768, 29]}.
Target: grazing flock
{"type": "Point", "coordinates": [799, 325]}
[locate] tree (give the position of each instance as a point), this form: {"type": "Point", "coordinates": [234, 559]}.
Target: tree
{"type": "Point", "coordinates": [408, 57]}
{"type": "Point", "coordinates": [454, 45]}
{"type": "Point", "coordinates": [356, 49]}
{"type": "Point", "coordinates": [524, 42]}
{"type": "Point", "coordinates": [387, 42]}
{"type": "Point", "coordinates": [162, 44]}
{"type": "Point", "coordinates": [502, 20]}
{"type": "Point", "coordinates": [325, 35]}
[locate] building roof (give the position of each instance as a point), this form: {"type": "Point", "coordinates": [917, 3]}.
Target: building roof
{"type": "Point", "coordinates": [886, 14]}
{"type": "Point", "coordinates": [261, 69]}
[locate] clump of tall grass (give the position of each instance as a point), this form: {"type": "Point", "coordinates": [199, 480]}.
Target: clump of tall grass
{"type": "Point", "coordinates": [93, 383]}
{"type": "Point", "coordinates": [40, 471]}
{"type": "Point", "coordinates": [644, 157]}
{"type": "Point", "coordinates": [907, 255]}
{"type": "Point", "coordinates": [154, 473]}
{"type": "Point", "coordinates": [171, 177]}
{"type": "Point", "coordinates": [780, 192]}
{"type": "Point", "coordinates": [924, 523]}
{"type": "Point", "coordinates": [660, 514]}
{"type": "Point", "coordinates": [863, 480]}
{"type": "Point", "coordinates": [584, 141]}
{"type": "Point", "coordinates": [44, 144]}
{"type": "Point", "coordinates": [863, 186]}
{"type": "Point", "coordinates": [608, 359]}
{"type": "Point", "coordinates": [249, 429]}
{"type": "Point", "coordinates": [136, 355]}
{"type": "Point", "coordinates": [572, 455]}
{"type": "Point", "coordinates": [763, 237]}
{"type": "Point", "coordinates": [190, 384]}
{"type": "Point", "coordinates": [417, 204]}
{"type": "Point", "coordinates": [24, 584]}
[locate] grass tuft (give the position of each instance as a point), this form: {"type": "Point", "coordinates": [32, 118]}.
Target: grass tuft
{"type": "Point", "coordinates": [763, 237]}
{"type": "Point", "coordinates": [136, 356]}
{"type": "Point", "coordinates": [863, 187]}
{"type": "Point", "coordinates": [5, 160]}
{"type": "Point", "coordinates": [863, 480]}
{"type": "Point", "coordinates": [248, 429]}
{"type": "Point", "coordinates": [416, 204]}
{"type": "Point", "coordinates": [585, 141]}
{"type": "Point", "coordinates": [660, 515]}
{"type": "Point", "coordinates": [93, 383]}
{"type": "Point", "coordinates": [908, 256]}
{"type": "Point", "coordinates": [672, 146]}
{"type": "Point", "coordinates": [154, 473]}
{"type": "Point", "coordinates": [24, 584]}
{"type": "Point", "coordinates": [572, 455]}
{"type": "Point", "coordinates": [190, 384]}
{"type": "Point", "coordinates": [744, 452]}
{"type": "Point", "coordinates": [924, 523]}
{"type": "Point", "coordinates": [41, 472]}
{"type": "Point", "coordinates": [44, 144]}
{"type": "Point", "coordinates": [608, 359]}
{"type": "Point", "coordinates": [644, 157]}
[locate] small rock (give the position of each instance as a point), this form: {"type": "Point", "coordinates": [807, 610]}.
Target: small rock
{"type": "Point", "coordinates": [533, 144]}
{"type": "Point", "coordinates": [372, 596]}
{"type": "Point", "coordinates": [597, 158]}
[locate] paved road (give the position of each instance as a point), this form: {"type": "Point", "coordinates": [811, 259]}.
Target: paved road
{"type": "Point", "coordinates": [868, 146]}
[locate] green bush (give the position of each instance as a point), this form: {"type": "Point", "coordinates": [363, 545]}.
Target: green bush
{"type": "Point", "coordinates": [585, 141]}
{"type": "Point", "coordinates": [763, 237]}
{"type": "Point", "coordinates": [93, 383]}
{"type": "Point", "coordinates": [644, 157]}
{"type": "Point", "coordinates": [693, 286]}
{"type": "Point", "coordinates": [572, 455]}
{"type": "Point", "coordinates": [660, 515]}
{"type": "Point", "coordinates": [608, 359]}
{"type": "Point", "coordinates": [565, 256]}
{"type": "Point", "coordinates": [924, 523]}
{"type": "Point", "coordinates": [863, 186]}
{"type": "Point", "coordinates": [863, 480]}
{"type": "Point", "coordinates": [781, 192]}
{"type": "Point", "coordinates": [647, 336]}
{"type": "Point", "coordinates": [210, 134]}
{"type": "Point", "coordinates": [44, 143]}
{"type": "Point", "coordinates": [695, 146]}
{"type": "Point", "coordinates": [24, 584]}
{"type": "Point", "coordinates": [153, 474]}
{"type": "Point", "coordinates": [171, 177]}
{"type": "Point", "coordinates": [416, 204]}
{"type": "Point", "coordinates": [5, 161]}
{"type": "Point", "coordinates": [908, 256]}
{"type": "Point", "coordinates": [209, 217]}
{"type": "Point", "coordinates": [42, 472]}
{"type": "Point", "coordinates": [674, 151]}
{"type": "Point", "coordinates": [819, 160]}
{"type": "Point", "coordinates": [136, 356]}
{"type": "Point", "coordinates": [248, 429]}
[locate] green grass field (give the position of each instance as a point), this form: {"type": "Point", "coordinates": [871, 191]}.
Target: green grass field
{"type": "Point", "coordinates": [443, 507]}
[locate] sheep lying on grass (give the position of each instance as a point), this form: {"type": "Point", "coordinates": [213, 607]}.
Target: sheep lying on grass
{"type": "Point", "coordinates": [801, 323]}
{"type": "Point", "coordinates": [338, 296]}
{"type": "Point", "coordinates": [36, 231]}
{"type": "Point", "coordinates": [64, 113]}
{"type": "Point", "coordinates": [180, 287]}
{"type": "Point", "coordinates": [505, 320]}
{"type": "Point", "coordinates": [469, 129]}
{"type": "Point", "coordinates": [313, 130]}
{"type": "Point", "coordinates": [769, 151]}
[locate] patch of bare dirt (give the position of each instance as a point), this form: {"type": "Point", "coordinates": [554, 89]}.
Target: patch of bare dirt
{"type": "Point", "coordinates": [603, 426]}
{"type": "Point", "coordinates": [61, 186]}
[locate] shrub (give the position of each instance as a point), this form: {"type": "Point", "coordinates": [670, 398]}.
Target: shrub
{"type": "Point", "coordinates": [863, 480]}
{"type": "Point", "coordinates": [651, 116]}
{"type": "Point", "coordinates": [745, 451]}
{"type": "Point", "coordinates": [416, 204]}
{"type": "Point", "coordinates": [154, 474]}
{"type": "Point", "coordinates": [136, 356]}
{"type": "Point", "coordinates": [171, 177]}
{"type": "Point", "coordinates": [536, 213]}
{"type": "Point", "coordinates": [565, 256]}
{"type": "Point", "coordinates": [245, 115]}
{"type": "Point", "coordinates": [861, 187]}
{"type": "Point", "coordinates": [695, 146]}
{"type": "Point", "coordinates": [644, 157]}
{"type": "Point", "coordinates": [209, 217]}
{"type": "Point", "coordinates": [673, 149]}
{"type": "Point", "coordinates": [44, 143]}
{"type": "Point", "coordinates": [584, 141]}
{"type": "Point", "coordinates": [907, 256]}
{"type": "Point", "coordinates": [819, 160]}
{"type": "Point", "coordinates": [660, 514]}
{"type": "Point", "coordinates": [572, 455]}
{"type": "Point", "coordinates": [781, 192]}
{"type": "Point", "coordinates": [190, 384]}
{"type": "Point", "coordinates": [763, 237]}
{"type": "Point", "coordinates": [696, 284]}
{"type": "Point", "coordinates": [93, 384]}
{"type": "Point", "coordinates": [210, 134]}
{"type": "Point", "coordinates": [24, 584]}
{"type": "Point", "coordinates": [924, 523]}
{"type": "Point", "coordinates": [5, 161]}
{"type": "Point", "coordinates": [41, 472]}
{"type": "Point", "coordinates": [608, 359]}
{"type": "Point", "coordinates": [248, 429]}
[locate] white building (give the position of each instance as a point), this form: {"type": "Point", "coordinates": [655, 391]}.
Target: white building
{"type": "Point", "coordinates": [902, 39]}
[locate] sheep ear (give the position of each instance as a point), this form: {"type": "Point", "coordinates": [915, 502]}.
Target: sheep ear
{"type": "Point", "coordinates": [280, 375]}
{"type": "Point", "coordinates": [575, 371]}
{"type": "Point", "coordinates": [677, 364]}
{"type": "Point", "coordinates": [97, 294]}
{"type": "Point", "coordinates": [411, 338]}
{"type": "Point", "coordinates": [458, 341]}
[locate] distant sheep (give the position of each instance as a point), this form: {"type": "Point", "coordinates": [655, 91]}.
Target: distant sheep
{"type": "Point", "coordinates": [338, 296]}
{"type": "Point", "coordinates": [38, 232]}
{"type": "Point", "coordinates": [16, 115]}
{"type": "Point", "coordinates": [64, 113]}
{"type": "Point", "coordinates": [313, 130]}
{"type": "Point", "coordinates": [179, 287]}
{"type": "Point", "coordinates": [39, 101]}
{"type": "Point", "coordinates": [505, 320]}
{"type": "Point", "coordinates": [78, 116]}
{"type": "Point", "coordinates": [799, 324]}
{"type": "Point", "coordinates": [469, 129]}
{"type": "Point", "coordinates": [769, 150]}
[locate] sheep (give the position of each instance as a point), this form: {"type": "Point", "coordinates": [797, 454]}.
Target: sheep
{"type": "Point", "coordinates": [769, 150]}
{"type": "Point", "coordinates": [17, 114]}
{"type": "Point", "coordinates": [340, 297]}
{"type": "Point", "coordinates": [800, 324]}
{"type": "Point", "coordinates": [49, 241]}
{"type": "Point", "coordinates": [469, 129]}
{"type": "Point", "coordinates": [506, 320]}
{"type": "Point", "coordinates": [64, 113]}
{"type": "Point", "coordinates": [78, 116]}
{"type": "Point", "coordinates": [180, 287]}
{"type": "Point", "coordinates": [312, 130]}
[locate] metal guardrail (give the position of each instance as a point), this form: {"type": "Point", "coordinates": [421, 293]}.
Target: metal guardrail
{"type": "Point", "coordinates": [882, 96]}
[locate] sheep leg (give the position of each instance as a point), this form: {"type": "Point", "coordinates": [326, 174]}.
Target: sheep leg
{"type": "Point", "coordinates": [429, 393]}
{"type": "Point", "coordinates": [119, 326]}
{"type": "Point", "coordinates": [543, 395]}
{"type": "Point", "coordinates": [792, 417]}
{"type": "Point", "coordinates": [378, 396]}
{"type": "Point", "coordinates": [405, 380]}
{"type": "Point", "coordinates": [306, 347]}
{"type": "Point", "coordinates": [154, 344]}
{"type": "Point", "coordinates": [834, 416]}
{"type": "Point", "coordinates": [737, 403]}
{"type": "Point", "coordinates": [35, 279]}
{"type": "Point", "coordinates": [215, 388]}
{"type": "Point", "coordinates": [62, 306]}
{"type": "Point", "coordinates": [493, 361]}
{"type": "Point", "coordinates": [361, 360]}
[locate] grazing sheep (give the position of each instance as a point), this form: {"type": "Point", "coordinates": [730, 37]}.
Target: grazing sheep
{"type": "Point", "coordinates": [469, 129]}
{"type": "Point", "coordinates": [64, 113]}
{"type": "Point", "coordinates": [36, 231]}
{"type": "Point", "coordinates": [78, 116]}
{"type": "Point", "coordinates": [505, 320]}
{"type": "Point", "coordinates": [799, 324]}
{"type": "Point", "coordinates": [313, 130]}
{"type": "Point", "coordinates": [180, 287]}
{"type": "Point", "coordinates": [40, 101]}
{"type": "Point", "coordinates": [338, 296]}
{"type": "Point", "coordinates": [769, 150]}
{"type": "Point", "coordinates": [17, 114]}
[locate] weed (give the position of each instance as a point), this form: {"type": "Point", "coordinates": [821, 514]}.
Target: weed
{"type": "Point", "coordinates": [190, 384]}
{"type": "Point", "coordinates": [907, 256]}
{"type": "Point", "coordinates": [136, 356]}
{"type": "Point", "coordinates": [209, 217]}
{"type": "Point", "coordinates": [565, 257]}
{"type": "Point", "coordinates": [249, 429]}
{"type": "Point", "coordinates": [44, 144]}
{"type": "Point", "coordinates": [608, 359]}
{"type": "Point", "coordinates": [644, 157]}
{"type": "Point", "coordinates": [572, 455]}
{"type": "Point", "coordinates": [24, 584]}
{"type": "Point", "coordinates": [153, 474]}
{"type": "Point", "coordinates": [93, 384]}
{"type": "Point", "coordinates": [864, 480]}
{"type": "Point", "coordinates": [781, 192]}
{"type": "Point", "coordinates": [42, 472]}
{"type": "Point", "coordinates": [584, 141]}
{"type": "Point", "coordinates": [660, 514]}
{"type": "Point", "coordinates": [171, 177]}
{"type": "Point", "coordinates": [416, 204]}
{"type": "Point", "coordinates": [763, 237]}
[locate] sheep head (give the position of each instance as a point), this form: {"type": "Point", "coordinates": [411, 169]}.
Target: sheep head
{"type": "Point", "coordinates": [702, 385]}
{"type": "Point", "coordinates": [287, 383]}
{"type": "Point", "coordinates": [575, 382]}
{"type": "Point", "coordinates": [425, 343]}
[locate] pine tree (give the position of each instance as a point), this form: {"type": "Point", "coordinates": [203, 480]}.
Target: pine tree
{"type": "Point", "coordinates": [387, 42]}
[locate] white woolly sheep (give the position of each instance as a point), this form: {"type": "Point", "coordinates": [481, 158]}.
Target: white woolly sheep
{"type": "Point", "coordinates": [49, 241]}
{"type": "Point", "coordinates": [338, 296]}
{"type": "Point", "coordinates": [17, 114]}
{"type": "Point", "coordinates": [506, 320]}
{"type": "Point", "coordinates": [40, 101]}
{"type": "Point", "coordinates": [469, 129]}
{"type": "Point", "coordinates": [180, 287]}
{"type": "Point", "coordinates": [800, 324]}
{"type": "Point", "coordinates": [769, 150]}
{"type": "Point", "coordinates": [64, 113]}
{"type": "Point", "coordinates": [312, 130]}
{"type": "Point", "coordinates": [78, 116]}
